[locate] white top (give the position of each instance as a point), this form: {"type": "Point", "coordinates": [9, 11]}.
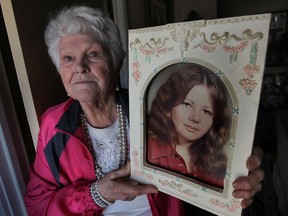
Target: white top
{"type": "Point", "coordinates": [106, 146]}
{"type": "Point", "coordinates": [107, 151]}
{"type": "Point", "coordinates": [137, 207]}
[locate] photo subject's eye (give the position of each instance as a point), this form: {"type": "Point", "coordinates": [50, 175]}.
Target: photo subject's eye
{"type": "Point", "coordinates": [207, 112]}
{"type": "Point", "coordinates": [186, 104]}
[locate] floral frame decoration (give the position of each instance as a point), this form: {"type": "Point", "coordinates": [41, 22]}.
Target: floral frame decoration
{"type": "Point", "coordinates": [234, 49]}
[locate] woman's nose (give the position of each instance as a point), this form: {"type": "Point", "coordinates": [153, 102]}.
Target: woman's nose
{"type": "Point", "coordinates": [194, 116]}
{"type": "Point", "coordinates": [81, 66]}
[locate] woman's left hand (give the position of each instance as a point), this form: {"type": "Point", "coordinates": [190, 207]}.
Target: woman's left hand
{"type": "Point", "coordinates": [246, 187]}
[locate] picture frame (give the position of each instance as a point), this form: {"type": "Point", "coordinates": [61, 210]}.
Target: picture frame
{"type": "Point", "coordinates": [233, 50]}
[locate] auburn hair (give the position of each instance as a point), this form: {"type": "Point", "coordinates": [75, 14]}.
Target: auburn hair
{"type": "Point", "coordinates": [208, 150]}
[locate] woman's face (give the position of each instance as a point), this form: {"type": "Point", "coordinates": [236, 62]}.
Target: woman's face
{"type": "Point", "coordinates": [194, 116]}
{"type": "Point", "coordinates": [83, 67]}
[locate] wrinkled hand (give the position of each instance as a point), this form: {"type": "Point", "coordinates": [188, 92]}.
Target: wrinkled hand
{"type": "Point", "coordinates": [246, 187]}
{"type": "Point", "coordinates": [116, 185]}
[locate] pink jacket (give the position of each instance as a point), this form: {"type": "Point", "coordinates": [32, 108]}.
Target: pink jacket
{"type": "Point", "coordinates": [63, 170]}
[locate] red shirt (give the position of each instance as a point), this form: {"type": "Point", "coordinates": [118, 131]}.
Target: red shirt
{"type": "Point", "coordinates": [165, 156]}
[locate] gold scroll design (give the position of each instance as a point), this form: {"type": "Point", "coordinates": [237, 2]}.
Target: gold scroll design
{"type": "Point", "coordinates": [215, 40]}
{"type": "Point", "coordinates": [248, 83]}
{"type": "Point", "coordinates": [179, 187]}
{"type": "Point", "coordinates": [155, 47]}
{"type": "Point", "coordinates": [136, 163]}
{"type": "Point", "coordinates": [232, 206]}
{"type": "Point", "coordinates": [183, 36]}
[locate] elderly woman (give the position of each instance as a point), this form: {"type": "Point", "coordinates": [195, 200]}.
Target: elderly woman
{"type": "Point", "coordinates": [81, 165]}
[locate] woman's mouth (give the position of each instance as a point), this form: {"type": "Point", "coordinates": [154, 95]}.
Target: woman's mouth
{"type": "Point", "coordinates": [191, 128]}
{"type": "Point", "coordinates": [82, 82]}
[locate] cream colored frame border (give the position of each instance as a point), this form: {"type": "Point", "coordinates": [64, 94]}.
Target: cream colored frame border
{"type": "Point", "coordinates": [161, 48]}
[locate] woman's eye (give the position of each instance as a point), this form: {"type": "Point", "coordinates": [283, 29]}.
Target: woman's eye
{"type": "Point", "coordinates": [93, 54]}
{"type": "Point", "coordinates": [207, 112]}
{"type": "Point", "coordinates": [187, 104]}
{"type": "Point", "coordinates": [67, 58]}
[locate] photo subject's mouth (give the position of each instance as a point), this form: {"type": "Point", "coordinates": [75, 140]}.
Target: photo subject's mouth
{"type": "Point", "coordinates": [191, 128]}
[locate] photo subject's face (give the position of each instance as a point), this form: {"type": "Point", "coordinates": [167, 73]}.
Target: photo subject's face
{"type": "Point", "coordinates": [194, 116]}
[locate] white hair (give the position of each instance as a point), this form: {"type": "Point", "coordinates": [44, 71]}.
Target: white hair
{"type": "Point", "coordinates": [84, 20]}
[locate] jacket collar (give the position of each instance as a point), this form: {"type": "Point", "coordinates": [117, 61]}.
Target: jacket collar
{"type": "Point", "coordinates": [71, 119]}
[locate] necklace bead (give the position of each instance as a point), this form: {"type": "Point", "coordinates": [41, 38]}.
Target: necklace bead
{"type": "Point", "coordinates": [122, 139]}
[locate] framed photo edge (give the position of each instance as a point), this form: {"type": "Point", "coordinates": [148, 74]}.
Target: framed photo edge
{"type": "Point", "coordinates": [197, 193]}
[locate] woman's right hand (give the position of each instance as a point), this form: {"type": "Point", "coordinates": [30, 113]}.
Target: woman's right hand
{"type": "Point", "coordinates": [117, 185]}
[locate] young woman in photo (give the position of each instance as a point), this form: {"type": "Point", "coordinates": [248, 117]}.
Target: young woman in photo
{"type": "Point", "coordinates": [189, 124]}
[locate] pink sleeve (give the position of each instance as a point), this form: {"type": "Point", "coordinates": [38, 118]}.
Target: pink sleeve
{"type": "Point", "coordinates": [45, 197]}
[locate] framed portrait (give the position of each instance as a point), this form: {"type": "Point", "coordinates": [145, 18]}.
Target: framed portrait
{"type": "Point", "coordinates": [194, 90]}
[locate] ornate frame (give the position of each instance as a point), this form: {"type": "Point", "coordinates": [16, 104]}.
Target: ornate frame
{"type": "Point", "coordinates": [234, 49]}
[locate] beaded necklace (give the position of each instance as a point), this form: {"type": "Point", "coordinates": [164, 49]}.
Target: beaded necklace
{"type": "Point", "coordinates": [122, 139]}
